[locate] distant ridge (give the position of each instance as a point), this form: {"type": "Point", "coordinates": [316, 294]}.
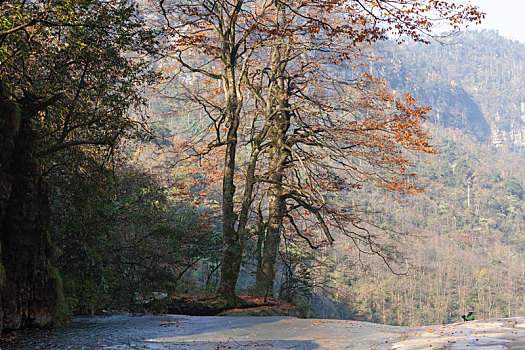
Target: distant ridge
{"type": "Point", "coordinates": [474, 81]}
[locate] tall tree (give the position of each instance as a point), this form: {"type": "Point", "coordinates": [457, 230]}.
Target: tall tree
{"type": "Point", "coordinates": [216, 39]}
{"type": "Point", "coordinates": [232, 43]}
{"type": "Point", "coordinates": [337, 117]}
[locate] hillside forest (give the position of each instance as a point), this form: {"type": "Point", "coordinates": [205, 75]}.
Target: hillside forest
{"type": "Point", "coordinates": [339, 156]}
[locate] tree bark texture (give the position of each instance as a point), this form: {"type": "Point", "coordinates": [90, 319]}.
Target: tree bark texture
{"type": "Point", "coordinates": [266, 267]}
{"type": "Point", "coordinates": [28, 286]}
{"type": "Point", "coordinates": [265, 276]}
{"type": "Point", "coordinates": [232, 251]}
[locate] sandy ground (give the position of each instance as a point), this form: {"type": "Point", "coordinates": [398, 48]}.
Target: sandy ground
{"type": "Point", "coordinates": [291, 333]}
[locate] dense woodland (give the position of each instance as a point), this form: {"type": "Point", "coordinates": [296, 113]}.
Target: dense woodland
{"type": "Point", "coordinates": [470, 219]}
{"type": "Point", "coordinates": [249, 147]}
{"type": "Point", "coordinates": [466, 249]}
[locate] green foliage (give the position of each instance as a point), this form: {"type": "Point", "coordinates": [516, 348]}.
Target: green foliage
{"type": "Point", "coordinates": [513, 188]}
{"type": "Point", "coordinates": [62, 311]}
{"type": "Point", "coordinates": [76, 69]}
{"type": "Point", "coordinates": [121, 236]}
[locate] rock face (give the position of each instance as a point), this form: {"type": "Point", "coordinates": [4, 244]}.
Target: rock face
{"type": "Point", "coordinates": [514, 134]}
{"type": "Point", "coordinates": [29, 288]}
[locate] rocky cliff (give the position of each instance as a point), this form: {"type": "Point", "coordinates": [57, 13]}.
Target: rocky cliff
{"type": "Point", "coordinates": [29, 288]}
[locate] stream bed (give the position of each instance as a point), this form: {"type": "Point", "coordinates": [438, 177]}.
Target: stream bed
{"type": "Point", "coordinates": [124, 332]}
{"type": "Point", "coordinates": [121, 331]}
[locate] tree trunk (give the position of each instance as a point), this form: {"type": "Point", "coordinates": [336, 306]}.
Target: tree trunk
{"type": "Point", "coordinates": [232, 249]}
{"type": "Point", "coordinates": [266, 267]}
{"type": "Point", "coordinates": [30, 289]}
{"type": "Point", "coordinates": [265, 276]}
{"type": "Point", "coordinates": [232, 254]}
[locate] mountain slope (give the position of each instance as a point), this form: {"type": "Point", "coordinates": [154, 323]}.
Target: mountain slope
{"type": "Point", "coordinates": [474, 82]}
